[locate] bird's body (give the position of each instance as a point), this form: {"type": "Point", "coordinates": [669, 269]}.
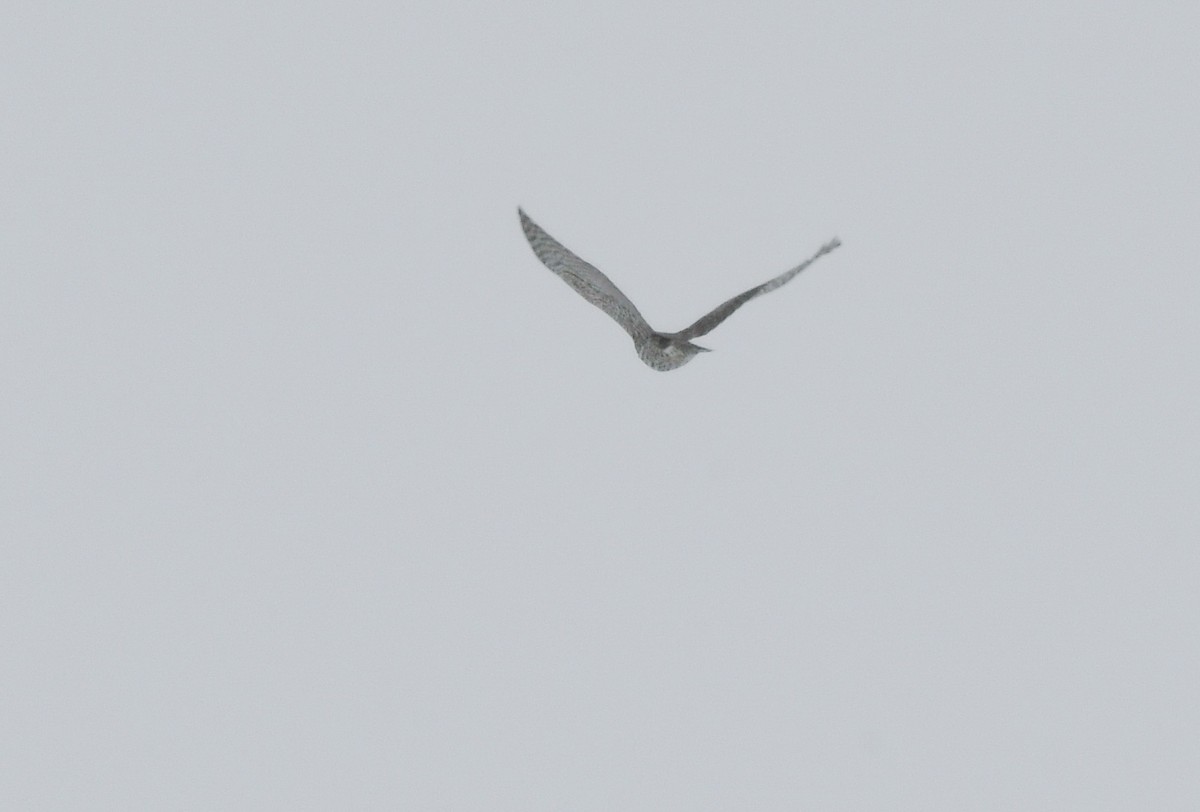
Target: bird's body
{"type": "Point", "coordinates": [660, 351]}
{"type": "Point", "coordinates": [666, 351]}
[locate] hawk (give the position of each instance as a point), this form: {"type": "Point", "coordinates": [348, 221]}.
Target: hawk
{"type": "Point", "coordinates": [660, 351]}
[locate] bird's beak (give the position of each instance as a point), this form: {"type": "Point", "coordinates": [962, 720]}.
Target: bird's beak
{"type": "Point", "coordinates": [702, 349]}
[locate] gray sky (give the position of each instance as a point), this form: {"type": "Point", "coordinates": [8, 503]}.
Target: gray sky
{"type": "Point", "coordinates": [318, 491]}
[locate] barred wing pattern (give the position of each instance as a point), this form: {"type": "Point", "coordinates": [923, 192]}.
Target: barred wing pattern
{"type": "Point", "coordinates": [706, 323]}
{"type": "Point", "coordinates": [587, 280]}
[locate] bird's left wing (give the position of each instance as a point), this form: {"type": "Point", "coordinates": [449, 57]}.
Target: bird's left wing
{"type": "Point", "coordinates": [587, 280]}
{"type": "Point", "coordinates": [709, 321]}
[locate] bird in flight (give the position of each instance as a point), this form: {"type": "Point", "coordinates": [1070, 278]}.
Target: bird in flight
{"type": "Point", "coordinates": [660, 351]}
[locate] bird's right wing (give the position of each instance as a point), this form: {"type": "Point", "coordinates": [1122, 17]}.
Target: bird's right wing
{"type": "Point", "coordinates": [590, 283]}
{"type": "Point", "coordinates": [709, 321]}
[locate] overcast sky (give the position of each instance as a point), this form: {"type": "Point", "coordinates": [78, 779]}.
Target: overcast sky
{"type": "Point", "coordinates": [318, 491]}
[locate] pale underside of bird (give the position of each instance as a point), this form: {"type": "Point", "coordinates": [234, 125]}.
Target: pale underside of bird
{"type": "Point", "coordinates": [661, 351]}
